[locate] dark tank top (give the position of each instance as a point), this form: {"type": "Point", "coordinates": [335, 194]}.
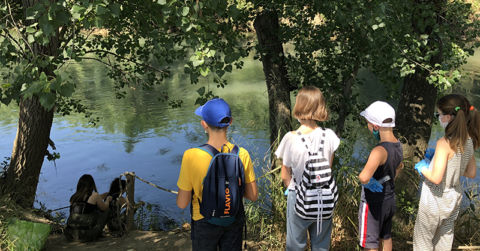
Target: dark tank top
{"type": "Point", "coordinates": [82, 207]}
{"type": "Point", "coordinates": [394, 158]}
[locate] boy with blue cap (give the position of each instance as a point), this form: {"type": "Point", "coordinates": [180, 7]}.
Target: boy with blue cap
{"type": "Point", "coordinates": [216, 118]}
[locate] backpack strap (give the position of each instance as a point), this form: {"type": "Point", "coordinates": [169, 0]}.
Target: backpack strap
{"type": "Point", "coordinates": [302, 137]}
{"type": "Point", "coordinates": [209, 149]}
{"type": "Point", "coordinates": [213, 151]}
{"type": "Point", "coordinates": [320, 148]}
{"type": "Point", "coordinates": [235, 150]}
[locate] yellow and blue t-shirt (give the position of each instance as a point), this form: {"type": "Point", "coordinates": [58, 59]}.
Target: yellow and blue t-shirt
{"type": "Point", "coordinates": [194, 168]}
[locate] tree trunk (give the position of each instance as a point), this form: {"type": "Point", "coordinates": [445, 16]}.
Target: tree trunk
{"type": "Point", "coordinates": [33, 134]}
{"type": "Point", "coordinates": [345, 106]}
{"type": "Point", "coordinates": [28, 152]}
{"type": "Point", "coordinates": [271, 54]}
{"type": "Point", "coordinates": [415, 115]}
{"type": "Point", "coordinates": [417, 101]}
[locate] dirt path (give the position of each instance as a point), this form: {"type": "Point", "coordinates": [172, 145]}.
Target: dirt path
{"type": "Point", "coordinates": [133, 241]}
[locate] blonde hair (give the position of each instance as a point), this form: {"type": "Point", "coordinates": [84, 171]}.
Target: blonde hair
{"type": "Point", "coordinates": [310, 105]}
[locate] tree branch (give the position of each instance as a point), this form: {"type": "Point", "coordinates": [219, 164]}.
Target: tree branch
{"type": "Point", "coordinates": [16, 27]}
{"type": "Point", "coordinates": [9, 37]}
{"type": "Point", "coordinates": [98, 60]}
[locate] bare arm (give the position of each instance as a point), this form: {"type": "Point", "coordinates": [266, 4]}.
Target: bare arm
{"type": "Point", "coordinates": [442, 152]}
{"type": "Point", "coordinates": [286, 175]}
{"type": "Point", "coordinates": [399, 169]}
{"type": "Point", "coordinates": [377, 157]}
{"type": "Point", "coordinates": [96, 199]}
{"type": "Point", "coordinates": [251, 191]}
{"type": "Point", "coordinates": [103, 195]}
{"type": "Point", "coordinates": [183, 198]}
{"type": "Point", "coordinates": [471, 170]}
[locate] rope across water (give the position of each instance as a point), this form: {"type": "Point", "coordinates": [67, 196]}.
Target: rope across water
{"type": "Point", "coordinates": [162, 188]}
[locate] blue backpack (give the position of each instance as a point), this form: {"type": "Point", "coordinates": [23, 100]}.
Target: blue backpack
{"type": "Point", "coordinates": [223, 187]}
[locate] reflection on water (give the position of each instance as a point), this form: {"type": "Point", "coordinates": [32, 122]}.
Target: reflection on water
{"type": "Point", "coordinates": [141, 133]}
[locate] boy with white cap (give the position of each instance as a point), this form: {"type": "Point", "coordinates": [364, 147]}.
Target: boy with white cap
{"type": "Point", "coordinates": [216, 117]}
{"type": "Point", "coordinates": [377, 204]}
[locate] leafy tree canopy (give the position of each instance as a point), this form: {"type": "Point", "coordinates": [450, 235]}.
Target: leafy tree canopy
{"type": "Point", "coordinates": [137, 40]}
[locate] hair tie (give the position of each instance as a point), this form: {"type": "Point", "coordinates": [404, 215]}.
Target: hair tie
{"type": "Point", "coordinates": [457, 108]}
{"type": "Point", "coordinates": [472, 108]}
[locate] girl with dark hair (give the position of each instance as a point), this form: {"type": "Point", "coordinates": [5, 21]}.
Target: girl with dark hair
{"type": "Point", "coordinates": [117, 219]}
{"type": "Point", "coordinates": [441, 191]}
{"type": "Point", "coordinates": [117, 188]}
{"type": "Point", "coordinates": [88, 211]}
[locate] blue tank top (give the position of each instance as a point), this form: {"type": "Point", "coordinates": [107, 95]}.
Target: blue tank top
{"type": "Point", "coordinates": [394, 158]}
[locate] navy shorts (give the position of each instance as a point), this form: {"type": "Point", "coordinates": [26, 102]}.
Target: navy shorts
{"type": "Point", "coordinates": [206, 236]}
{"type": "Point", "coordinates": [375, 222]}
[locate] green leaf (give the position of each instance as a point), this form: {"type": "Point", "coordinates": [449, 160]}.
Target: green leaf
{"type": "Point", "coordinates": [185, 11]}
{"type": "Point", "coordinates": [198, 62]}
{"type": "Point", "coordinates": [201, 91]}
{"type": "Point", "coordinates": [204, 72]}
{"type": "Point", "coordinates": [441, 79]}
{"type": "Point", "coordinates": [47, 100]}
{"type": "Point", "coordinates": [211, 53]}
{"type": "Point", "coordinates": [35, 88]}
{"type": "Point", "coordinates": [374, 27]}
{"type": "Point", "coordinates": [62, 18]}
{"type": "Point", "coordinates": [162, 2]}
{"type": "Point", "coordinates": [100, 10]}
{"type": "Point", "coordinates": [99, 21]}
{"type": "Point", "coordinates": [31, 14]}
{"type": "Point", "coordinates": [48, 29]}
{"type": "Point", "coordinates": [43, 77]}
{"type": "Point", "coordinates": [115, 9]}
{"type": "Point", "coordinates": [31, 30]}
{"type": "Point", "coordinates": [77, 11]}
{"type": "Point", "coordinates": [51, 14]}
{"type": "Point", "coordinates": [38, 33]}
{"type": "Point", "coordinates": [66, 89]}
{"type": "Point", "coordinates": [30, 38]}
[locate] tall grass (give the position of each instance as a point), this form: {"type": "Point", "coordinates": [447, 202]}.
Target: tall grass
{"type": "Point", "coordinates": [7, 210]}
{"type": "Point", "coordinates": [266, 218]}
{"type": "Point", "coordinates": [467, 231]}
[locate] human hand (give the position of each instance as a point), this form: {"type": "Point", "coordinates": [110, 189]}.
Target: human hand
{"type": "Point", "coordinates": [373, 185]}
{"type": "Point", "coordinates": [429, 153]}
{"type": "Point", "coordinates": [422, 164]}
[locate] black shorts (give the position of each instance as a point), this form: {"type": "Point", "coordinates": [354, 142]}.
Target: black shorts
{"type": "Point", "coordinates": [375, 222]}
{"type": "Point", "coordinates": [210, 237]}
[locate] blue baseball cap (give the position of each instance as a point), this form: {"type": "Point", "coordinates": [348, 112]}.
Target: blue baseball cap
{"type": "Point", "coordinates": [214, 111]}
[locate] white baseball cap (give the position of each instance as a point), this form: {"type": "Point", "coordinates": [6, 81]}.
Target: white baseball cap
{"type": "Point", "coordinates": [378, 112]}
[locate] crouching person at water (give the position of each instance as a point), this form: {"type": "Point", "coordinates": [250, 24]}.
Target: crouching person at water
{"type": "Point", "coordinates": [117, 218]}
{"type": "Point", "coordinates": [197, 181]}
{"type": "Point", "coordinates": [88, 211]}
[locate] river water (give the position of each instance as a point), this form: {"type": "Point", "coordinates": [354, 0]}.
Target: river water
{"type": "Point", "coordinates": [144, 135]}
